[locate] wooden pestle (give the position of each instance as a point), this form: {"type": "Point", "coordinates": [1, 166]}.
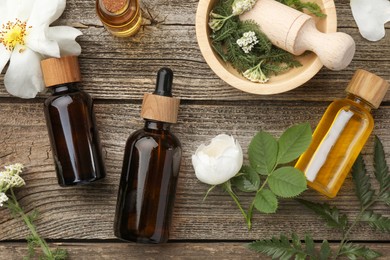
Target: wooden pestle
{"type": "Point", "coordinates": [296, 33]}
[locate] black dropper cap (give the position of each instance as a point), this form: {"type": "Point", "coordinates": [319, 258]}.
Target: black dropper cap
{"type": "Point", "coordinates": [164, 82]}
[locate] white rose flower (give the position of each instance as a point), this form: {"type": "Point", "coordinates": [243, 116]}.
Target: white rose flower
{"type": "Point", "coordinates": [3, 198]}
{"type": "Point", "coordinates": [26, 38]}
{"type": "Point", "coordinates": [219, 161]}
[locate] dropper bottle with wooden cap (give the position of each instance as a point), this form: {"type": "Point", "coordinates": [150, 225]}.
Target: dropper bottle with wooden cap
{"type": "Point", "coordinates": [342, 133]}
{"type": "Point", "coordinates": [71, 124]}
{"type": "Point", "coordinates": [150, 169]}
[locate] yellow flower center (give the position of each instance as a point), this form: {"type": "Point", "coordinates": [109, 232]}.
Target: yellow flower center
{"type": "Point", "coordinates": [13, 33]}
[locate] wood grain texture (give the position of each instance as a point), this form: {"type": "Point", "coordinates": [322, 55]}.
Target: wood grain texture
{"type": "Point", "coordinates": [114, 68]}
{"type": "Point", "coordinates": [87, 212]}
{"type": "Point", "coordinates": [194, 251]}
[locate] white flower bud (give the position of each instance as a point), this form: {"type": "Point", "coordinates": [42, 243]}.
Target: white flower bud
{"type": "Point", "coordinates": [219, 161]}
{"type": "Point", "coordinates": [247, 41]}
{"type": "Point", "coordinates": [3, 198]}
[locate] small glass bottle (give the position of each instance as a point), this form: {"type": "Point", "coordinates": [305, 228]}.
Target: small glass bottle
{"type": "Point", "coordinates": [342, 133]}
{"type": "Point", "coordinates": [71, 124]}
{"type": "Point", "coordinates": [121, 18]}
{"type": "Point", "coordinates": [150, 169]}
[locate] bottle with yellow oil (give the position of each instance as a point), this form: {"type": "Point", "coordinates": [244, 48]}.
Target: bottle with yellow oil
{"type": "Point", "coordinates": [122, 18]}
{"type": "Point", "coordinates": [342, 133]}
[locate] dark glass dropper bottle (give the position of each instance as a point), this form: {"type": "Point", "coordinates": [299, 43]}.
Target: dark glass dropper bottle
{"type": "Point", "coordinates": [71, 124]}
{"type": "Point", "coordinates": [150, 169]}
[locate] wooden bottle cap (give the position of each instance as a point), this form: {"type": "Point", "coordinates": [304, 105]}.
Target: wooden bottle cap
{"type": "Point", "coordinates": [368, 86]}
{"type": "Point", "coordinates": [62, 70]}
{"type": "Point", "coordinates": [160, 108]}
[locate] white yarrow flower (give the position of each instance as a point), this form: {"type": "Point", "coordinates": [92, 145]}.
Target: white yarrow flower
{"type": "Point", "coordinates": [247, 41]}
{"type": "Point", "coordinates": [3, 198]}
{"type": "Point", "coordinates": [26, 38]}
{"type": "Point", "coordinates": [10, 177]}
{"type": "Point", "coordinates": [241, 6]}
{"type": "Point", "coordinates": [371, 17]}
{"type": "Point", "coordinates": [219, 161]}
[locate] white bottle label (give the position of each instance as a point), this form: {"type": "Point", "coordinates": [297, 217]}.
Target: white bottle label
{"type": "Point", "coordinates": [322, 152]}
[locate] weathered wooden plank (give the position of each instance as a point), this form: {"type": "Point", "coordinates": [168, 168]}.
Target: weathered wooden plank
{"type": "Point", "coordinates": [94, 251]}
{"type": "Point", "coordinates": [87, 212]}
{"type": "Point", "coordinates": [125, 68]}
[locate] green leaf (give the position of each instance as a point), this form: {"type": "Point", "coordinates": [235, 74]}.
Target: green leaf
{"type": "Point", "coordinates": [362, 182]}
{"type": "Point", "coordinates": [287, 182]}
{"type": "Point", "coordinates": [293, 142]}
{"type": "Point", "coordinates": [325, 251]}
{"type": "Point", "coordinates": [309, 245]}
{"type": "Point", "coordinates": [331, 215]}
{"type": "Point", "coordinates": [381, 168]}
{"type": "Point", "coordinates": [385, 197]}
{"type": "Point", "coordinates": [266, 201]}
{"type": "Point", "coordinates": [376, 221]}
{"type": "Point", "coordinates": [247, 180]}
{"type": "Point", "coordinates": [356, 251]}
{"type": "Point", "coordinates": [262, 152]}
{"type": "Point", "coordinates": [276, 248]}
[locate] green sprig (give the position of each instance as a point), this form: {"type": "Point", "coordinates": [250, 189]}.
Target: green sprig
{"type": "Point", "coordinates": [264, 59]}
{"type": "Point", "coordinates": [283, 248]}
{"type": "Point", "coordinates": [266, 175]}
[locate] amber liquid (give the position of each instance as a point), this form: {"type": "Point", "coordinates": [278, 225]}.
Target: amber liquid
{"type": "Point", "coordinates": [148, 184]}
{"type": "Point", "coordinates": [74, 137]}
{"type": "Point", "coordinates": [347, 144]}
{"type": "Point", "coordinates": [125, 23]}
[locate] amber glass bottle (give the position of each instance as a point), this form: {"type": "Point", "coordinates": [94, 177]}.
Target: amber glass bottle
{"type": "Point", "coordinates": [342, 133]}
{"type": "Point", "coordinates": [71, 124]}
{"type": "Point", "coordinates": [150, 170]}
{"type": "Point", "coordinates": [121, 18]}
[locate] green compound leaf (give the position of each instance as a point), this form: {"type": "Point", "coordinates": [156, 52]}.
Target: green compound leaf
{"type": "Point", "coordinates": [385, 197]}
{"type": "Point", "coordinates": [331, 215]}
{"type": "Point", "coordinates": [325, 251]}
{"type": "Point", "coordinates": [287, 182]}
{"type": "Point", "coordinates": [262, 152]}
{"type": "Point", "coordinates": [362, 182]}
{"type": "Point", "coordinates": [358, 252]}
{"type": "Point", "coordinates": [377, 221]}
{"type": "Point", "coordinates": [277, 248]}
{"type": "Point", "coordinates": [247, 180]}
{"type": "Point", "coordinates": [266, 201]}
{"type": "Point", "coordinates": [381, 168]}
{"type": "Point", "coordinates": [309, 244]}
{"type": "Point", "coordinates": [293, 142]}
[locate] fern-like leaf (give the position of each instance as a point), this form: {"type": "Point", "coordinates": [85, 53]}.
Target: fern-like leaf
{"type": "Point", "coordinates": [380, 165]}
{"type": "Point", "coordinates": [362, 182]}
{"type": "Point", "coordinates": [353, 251]}
{"type": "Point", "coordinates": [331, 215]}
{"type": "Point", "coordinates": [377, 221]}
{"type": "Point", "coordinates": [279, 248]}
{"type": "Point", "coordinates": [385, 197]}
{"type": "Point", "coordinates": [325, 251]}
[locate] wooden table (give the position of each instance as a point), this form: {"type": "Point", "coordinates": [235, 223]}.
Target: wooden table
{"type": "Point", "coordinates": [117, 72]}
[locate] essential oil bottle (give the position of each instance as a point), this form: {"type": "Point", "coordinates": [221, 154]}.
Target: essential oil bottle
{"type": "Point", "coordinates": [71, 124]}
{"type": "Point", "coordinates": [150, 169]}
{"type": "Point", "coordinates": [121, 18]}
{"type": "Point", "coordinates": [342, 133]}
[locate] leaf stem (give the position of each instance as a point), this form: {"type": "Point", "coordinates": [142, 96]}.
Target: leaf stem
{"type": "Point", "coordinates": [250, 211]}
{"type": "Point", "coordinates": [17, 209]}
{"type": "Point", "coordinates": [234, 197]}
{"type": "Point", "coordinates": [357, 220]}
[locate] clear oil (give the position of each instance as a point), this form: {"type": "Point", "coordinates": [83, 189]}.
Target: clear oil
{"type": "Point", "coordinates": [122, 23]}
{"type": "Point", "coordinates": [337, 141]}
